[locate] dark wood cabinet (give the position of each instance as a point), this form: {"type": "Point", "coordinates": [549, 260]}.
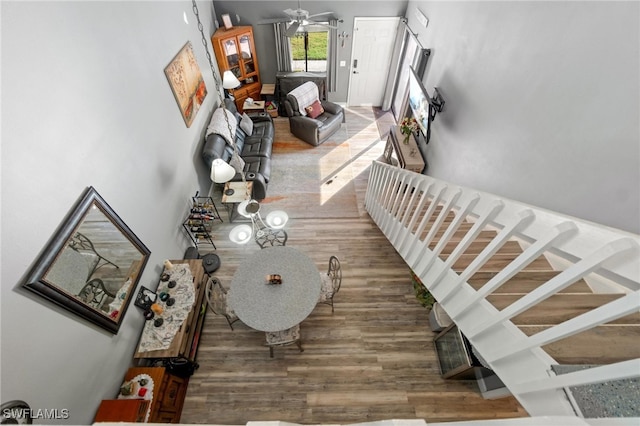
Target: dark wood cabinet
{"type": "Point", "coordinates": [236, 52]}
{"type": "Point", "coordinates": [122, 410]}
{"type": "Point", "coordinates": [163, 403]}
{"type": "Point", "coordinates": [168, 393]}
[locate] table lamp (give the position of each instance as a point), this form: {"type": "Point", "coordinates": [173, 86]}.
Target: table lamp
{"type": "Point", "coordinates": [229, 81]}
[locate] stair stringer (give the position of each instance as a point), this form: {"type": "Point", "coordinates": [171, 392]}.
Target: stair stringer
{"type": "Point", "coordinates": [526, 366]}
{"type": "Point", "coordinates": [526, 370]}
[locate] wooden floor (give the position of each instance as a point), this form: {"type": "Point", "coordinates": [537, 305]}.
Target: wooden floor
{"type": "Point", "coordinates": [372, 359]}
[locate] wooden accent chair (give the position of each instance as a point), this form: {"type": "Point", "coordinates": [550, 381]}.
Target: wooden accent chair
{"type": "Point", "coordinates": [216, 296]}
{"type": "Point", "coordinates": [331, 282]}
{"type": "Point", "coordinates": [282, 338]}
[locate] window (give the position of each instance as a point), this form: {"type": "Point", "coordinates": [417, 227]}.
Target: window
{"type": "Point", "coordinates": [309, 49]}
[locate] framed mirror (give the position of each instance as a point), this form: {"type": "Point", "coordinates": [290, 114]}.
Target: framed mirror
{"type": "Point", "coordinates": [91, 265]}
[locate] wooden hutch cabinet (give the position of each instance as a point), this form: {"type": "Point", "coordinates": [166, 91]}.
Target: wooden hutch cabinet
{"type": "Point", "coordinates": [236, 52]}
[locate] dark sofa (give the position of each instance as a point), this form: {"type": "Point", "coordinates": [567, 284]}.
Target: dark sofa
{"type": "Point", "coordinates": [255, 149]}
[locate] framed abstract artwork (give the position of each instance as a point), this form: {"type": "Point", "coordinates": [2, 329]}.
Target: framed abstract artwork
{"type": "Point", "coordinates": [186, 83]}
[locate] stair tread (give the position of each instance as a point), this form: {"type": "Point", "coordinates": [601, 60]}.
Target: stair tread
{"type": "Point", "coordinates": [559, 308]}
{"type": "Point", "coordinates": [479, 244]}
{"type": "Point", "coordinates": [525, 281]}
{"type": "Point", "coordinates": [499, 261]}
{"type": "Point", "coordinates": [604, 344]}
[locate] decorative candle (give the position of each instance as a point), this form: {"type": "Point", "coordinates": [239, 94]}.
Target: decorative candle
{"type": "Point", "coordinates": [157, 309]}
{"type": "Point", "coordinates": [168, 265]}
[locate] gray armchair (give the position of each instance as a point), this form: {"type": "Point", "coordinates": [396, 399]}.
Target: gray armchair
{"type": "Point", "coordinates": [314, 131]}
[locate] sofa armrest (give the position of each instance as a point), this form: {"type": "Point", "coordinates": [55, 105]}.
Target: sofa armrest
{"type": "Point", "coordinates": [259, 184]}
{"type": "Point", "coordinates": [290, 112]}
{"type": "Point", "coordinates": [259, 117]}
{"type": "Point", "coordinates": [214, 147]}
{"type": "Point", "coordinates": [332, 108]}
{"type": "Point", "coordinates": [305, 128]}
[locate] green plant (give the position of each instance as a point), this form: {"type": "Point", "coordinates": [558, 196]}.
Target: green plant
{"type": "Point", "coordinates": [316, 50]}
{"type": "Point", "coordinates": [423, 295]}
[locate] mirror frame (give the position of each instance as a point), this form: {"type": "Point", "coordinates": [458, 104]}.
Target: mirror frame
{"type": "Point", "coordinates": [36, 283]}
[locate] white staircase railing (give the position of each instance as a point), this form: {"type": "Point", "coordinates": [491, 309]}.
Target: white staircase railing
{"type": "Point", "coordinates": [405, 206]}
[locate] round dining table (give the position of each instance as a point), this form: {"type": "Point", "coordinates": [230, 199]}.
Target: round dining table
{"type": "Point", "coordinates": [274, 307]}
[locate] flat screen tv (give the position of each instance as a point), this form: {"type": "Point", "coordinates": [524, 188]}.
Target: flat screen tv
{"type": "Point", "coordinates": [419, 103]}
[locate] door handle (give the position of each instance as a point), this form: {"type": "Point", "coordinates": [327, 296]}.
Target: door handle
{"type": "Point", "coordinates": [355, 63]}
{"type": "Point", "coordinates": [356, 72]}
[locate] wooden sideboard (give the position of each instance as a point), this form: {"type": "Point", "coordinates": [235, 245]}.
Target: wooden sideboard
{"type": "Point", "coordinates": [169, 385]}
{"type": "Point", "coordinates": [406, 156]}
{"type": "Point", "coordinates": [185, 343]}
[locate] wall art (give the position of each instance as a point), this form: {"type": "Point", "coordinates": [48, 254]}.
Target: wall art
{"type": "Point", "coordinates": [186, 83]}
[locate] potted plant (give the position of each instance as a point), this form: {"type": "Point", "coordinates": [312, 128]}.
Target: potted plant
{"type": "Point", "coordinates": [408, 125]}
{"type": "Point", "coordinates": [423, 295]}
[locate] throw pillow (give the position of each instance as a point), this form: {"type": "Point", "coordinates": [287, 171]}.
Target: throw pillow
{"type": "Point", "coordinates": [246, 124]}
{"type": "Point", "coordinates": [315, 109]}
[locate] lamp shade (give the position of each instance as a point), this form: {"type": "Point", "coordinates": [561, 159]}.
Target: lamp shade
{"type": "Point", "coordinates": [247, 208]}
{"type": "Point", "coordinates": [242, 208]}
{"type": "Point", "coordinates": [241, 234]}
{"type": "Point", "coordinates": [221, 171]}
{"type": "Point", "coordinates": [229, 80]}
{"type": "Point", "coordinates": [277, 219]}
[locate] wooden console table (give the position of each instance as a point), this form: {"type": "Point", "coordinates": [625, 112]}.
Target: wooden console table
{"type": "Point", "coordinates": [162, 405]}
{"type": "Point", "coordinates": [405, 156]}
{"type": "Point", "coordinates": [185, 343]}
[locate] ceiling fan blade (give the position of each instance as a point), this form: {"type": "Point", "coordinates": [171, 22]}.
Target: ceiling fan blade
{"type": "Point", "coordinates": [273, 21]}
{"type": "Point", "coordinates": [320, 14]}
{"type": "Point", "coordinates": [333, 27]}
{"type": "Point", "coordinates": [291, 31]}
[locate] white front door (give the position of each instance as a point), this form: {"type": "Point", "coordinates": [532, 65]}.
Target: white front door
{"type": "Point", "coordinates": [373, 40]}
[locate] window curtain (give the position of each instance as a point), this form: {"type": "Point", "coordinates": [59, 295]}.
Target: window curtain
{"type": "Point", "coordinates": [394, 70]}
{"type": "Point", "coordinates": [283, 49]}
{"type": "Point", "coordinates": [332, 57]}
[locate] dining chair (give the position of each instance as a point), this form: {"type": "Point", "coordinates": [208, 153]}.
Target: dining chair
{"type": "Point", "coordinates": [94, 293]}
{"type": "Point", "coordinates": [283, 338]}
{"type": "Point", "coordinates": [271, 238]}
{"type": "Point", "coordinates": [330, 282]}
{"type": "Point", "coordinates": [216, 296]}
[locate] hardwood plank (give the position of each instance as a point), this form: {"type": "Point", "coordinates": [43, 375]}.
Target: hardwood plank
{"type": "Point", "coordinates": [605, 344]}
{"type": "Point", "coordinates": [372, 359]}
{"type": "Point", "coordinates": [559, 308]}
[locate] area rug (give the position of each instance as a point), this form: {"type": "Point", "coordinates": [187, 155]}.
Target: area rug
{"type": "Point", "coordinates": [311, 182]}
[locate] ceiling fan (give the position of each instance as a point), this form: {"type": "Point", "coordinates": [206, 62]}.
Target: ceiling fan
{"type": "Point", "coordinates": [299, 18]}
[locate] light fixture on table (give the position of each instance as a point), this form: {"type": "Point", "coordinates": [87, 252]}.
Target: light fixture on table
{"type": "Point", "coordinates": [259, 229]}
{"type": "Point", "coordinates": [229, 82]}
{"type": "Point", "coordinates": [222, 172]}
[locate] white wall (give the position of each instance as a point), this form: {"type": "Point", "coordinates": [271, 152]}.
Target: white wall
{"type": "Point", "coordinates": [542, 102]}
{"type": "Point", "coordinates": [85, 102]}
